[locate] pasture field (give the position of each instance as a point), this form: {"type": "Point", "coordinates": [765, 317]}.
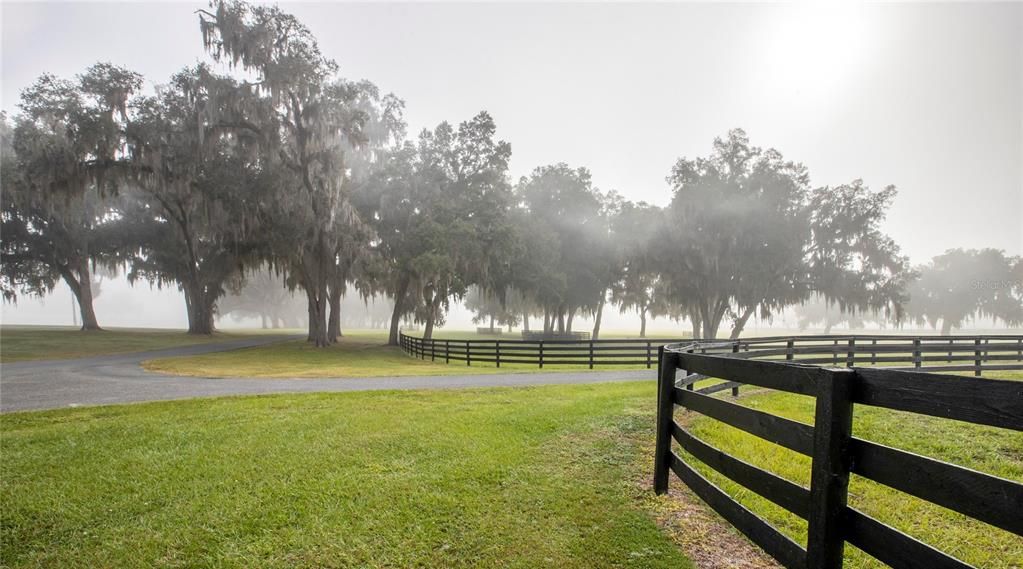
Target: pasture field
{"type": "Point", "coordinates": [26, 343]}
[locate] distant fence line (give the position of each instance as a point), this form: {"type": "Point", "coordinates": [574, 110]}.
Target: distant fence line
{"type": "Point", "coordinates": [935, 353]}
{"type": "Point", "coordinates": [783, 364]}
{"type": "Point", "coordinates": [634, 352]}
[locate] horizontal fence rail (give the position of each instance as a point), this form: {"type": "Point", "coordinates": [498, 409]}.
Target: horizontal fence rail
{"type": "Point", "coordinates": [902, 378]}
{"type": "Point", "coordinates": [974, 354]}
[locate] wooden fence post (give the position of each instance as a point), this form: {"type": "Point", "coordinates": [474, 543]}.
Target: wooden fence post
{"type": "Point", "coordinates": [648, 358]}
{"type": "Point", "coordinates": [468, 355]}
{"type": "Point", "coordinates": [433, 350]}
{"type": "Point", "coordinates": [850, 357]}
{"type": "Point", "coordinates": [873, 351]}
{"type": "Point", "coordinates": [667, 364]}
{"type": "Point", "coordinates": [834, 354]}
{"type": "Point", "coordinates": [789, 349]}
{"type": "Point", "coordinates": [829, 474]}
{"type": "Point", "coordinates": [541, 354]}
{"type": "Point", "coordinates": [591, 354]}
{"type": "Point", "coordinates": [735, 350]}
{"type": "Point", "coordinates": [976, 357]}
{"type": "Point", "coordinates": [497, 352]}
{"type": "Point", "coordinates": [447, 351]}
{"type": "Point", "coordinates": [916, 352]}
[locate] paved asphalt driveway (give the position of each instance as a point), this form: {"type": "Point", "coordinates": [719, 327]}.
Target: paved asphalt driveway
{"type": "Point", "coordinates": [103, 380]}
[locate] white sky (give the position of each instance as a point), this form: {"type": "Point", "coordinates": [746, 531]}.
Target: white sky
{"type": "Point", "coordinates": [928, 97]}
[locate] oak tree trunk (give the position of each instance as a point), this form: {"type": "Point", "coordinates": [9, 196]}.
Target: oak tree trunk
{"type": "Point", "coordinates": [334, 321]}
{"type": "Point", "coordinates": [316, 270]}
{"type": "Point", "coordinates": [597, 318]}
{"type": "Point", "coordinates": [946, 326]}
{"type": "Point", "coordinates": [199, 304]}
{"type": "Point", "coordinates": [310, 306]}
{"type": "Point", "coordinates": [432, 316]}
{"type": "Point", "coordinates": [81, 286]}
{"type": "Point", "coordinates": [740, 324]}
{"type": "Point", "coordinates": [399, 309]}
{"type": "Point", "coordinates": [697, 325]}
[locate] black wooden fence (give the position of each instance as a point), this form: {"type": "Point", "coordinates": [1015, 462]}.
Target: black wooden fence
{"type": "Point", "coordinates": [829, 442]}
{"type": "Point", "coordinates": [936, 353]}
{"type": "Point", "coordinates": [540, 353]}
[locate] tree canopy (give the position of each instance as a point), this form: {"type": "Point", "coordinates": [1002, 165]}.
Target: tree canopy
{"type": "Point", "coordinates": [747, 233]}
{"type": "Point", "coordinates": [278, 169]}
{"type": "Point", "coordinates": [967, 283]}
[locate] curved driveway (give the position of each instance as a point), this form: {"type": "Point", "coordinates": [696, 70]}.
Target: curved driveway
{"type": "Point", "coordinates": [119, 378]}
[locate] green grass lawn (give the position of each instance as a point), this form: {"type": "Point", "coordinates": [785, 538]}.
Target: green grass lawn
{"type": "Point", "coordinates": [987, 449]}
{"type": "Point", "coordinates": [358, 354]}
{"type": "Point", "coordinates": [23, 343]}
{"type": "Point", "coordinates": [526, 477]}
{"type": "Point", "coordinates": [523, 477]}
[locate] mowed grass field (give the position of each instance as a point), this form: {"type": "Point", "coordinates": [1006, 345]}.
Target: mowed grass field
{"type": "Point", "coordinates": [527, 477]}
{"type": "Point", "coordinates": [552, 476]}
{"type": "Point", "coordinates": [987, 449]}
{"type": "Point", "coordinates": [25, 343]}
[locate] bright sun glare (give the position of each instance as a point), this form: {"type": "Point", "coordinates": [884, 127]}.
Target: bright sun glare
{"type": "Point", "coordinates": [816, 47]}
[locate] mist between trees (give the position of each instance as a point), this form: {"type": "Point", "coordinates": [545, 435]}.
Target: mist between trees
{"type": "Point", "coordinates": [285, 177]}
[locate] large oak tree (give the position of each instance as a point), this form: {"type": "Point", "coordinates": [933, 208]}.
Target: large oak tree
{"type": "Point", "coordinates": [744, 232]}
{"type": "Point", "coordinates": [63, 160]}
{"type": "Point", "coordinates": [308, 121]}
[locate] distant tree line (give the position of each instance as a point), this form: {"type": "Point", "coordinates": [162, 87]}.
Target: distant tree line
{"type": "Point", "coordinates": [308, 179]}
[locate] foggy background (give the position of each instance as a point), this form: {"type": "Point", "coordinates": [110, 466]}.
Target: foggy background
{"type": "Point", "coordinates": [928, 97]}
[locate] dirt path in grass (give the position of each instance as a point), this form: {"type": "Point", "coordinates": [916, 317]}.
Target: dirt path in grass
{"type": "Point", "coordinates": [119, 378]}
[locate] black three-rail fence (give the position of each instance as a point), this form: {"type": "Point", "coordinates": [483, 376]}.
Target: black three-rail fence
{"type": "Point", "coordinates": [540, 353]}
{"type": "Point", "coordinates": [891, 371]}
{"type": "Point", "coordinates": [901, 376]}
{"type": "Point", "coordinates": [935, 353]}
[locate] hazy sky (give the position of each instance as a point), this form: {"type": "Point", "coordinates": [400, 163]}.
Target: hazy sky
{"type": "Point", "coordinates": [928, 97]}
